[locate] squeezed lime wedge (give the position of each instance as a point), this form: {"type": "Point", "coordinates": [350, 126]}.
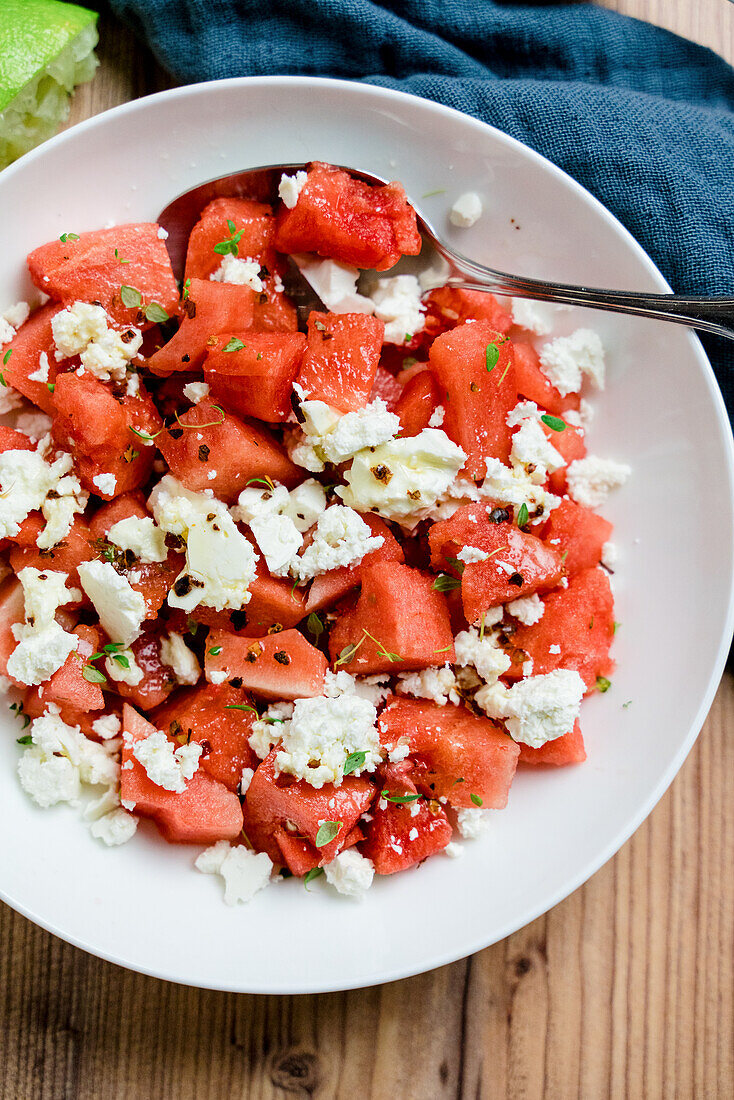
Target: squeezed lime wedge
{"type": "Point", "coordinates": [46, 49]}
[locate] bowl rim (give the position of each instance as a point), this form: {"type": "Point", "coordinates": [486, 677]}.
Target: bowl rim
{"type": "Point", "coordinates": [357, 89]}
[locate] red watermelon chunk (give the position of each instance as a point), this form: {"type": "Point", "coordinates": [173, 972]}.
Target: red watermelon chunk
{"type": "Point", "coordinates": [257, 378]}
{"type": "Point", "coordinates": [579, 619]}
{"type": "Point", "coordinates": [418, 402]}
{"type": "Point", "coordinates": [111, 512]}
{"type": "Point", "coordinates": [282, 815]}
{"type": "Point", "coordinates": [207, 439]}
{"type": "Point", "coordinates": [387, 387]}
{"type": "Point", "coordinates": [478, 399]}
{"type": "Point", "coordinates": [569, 749]}
{"type": "Point", "coordinates": [348, 220]}
{"type": "Point", "coordinates": [209, 309]}
{"type": "Point", "coordinates": [157, 682]}
{"type": "Point", "coordinates": [403, 834]}
{"type": "Point", "coordinates": [329, 587]}
{"type": "Point", "coordinates": [66, 556]}
{"type": "Point", "coordinates": [274, 601]}
{"type": "Point", "coordinates": [400, 622]}
{"type": "Point", "coordinates": [570, 444]}
{"type": "Point", "coordinates": [89, 269]}
{"type": "Point", "coordinates": [14, 441]}
{"type": "Point", "coordinates": [532, 383]}
{"type": "Point", "coordinates": [278, 666]}
{"type": "Point", "coordinates": [203, 814]}
{"type": "Point", "coordinates": [451, 306]}
{"type": "Point", "coordinates": [12, 612]}
{"type": "Point", "coordinates": [341, 358]}
{"type": "Point", "coordinates": [274, 311]}
{"type": "Point", "coordinates": [456, 754]}
{"type": "Point", "coordinates": [212, 714]}
{"type": "Point", "coordinates": [33, 339]}
{"type": "Point", "coordinates": [253, 220]}
{"type": "Point", "coordinates": [68, 687]}
{"type": "Point", "coordinates": [578, 534]}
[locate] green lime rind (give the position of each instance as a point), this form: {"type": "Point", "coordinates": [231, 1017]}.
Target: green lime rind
{"type": "Point", "coordinates": [32, 34]}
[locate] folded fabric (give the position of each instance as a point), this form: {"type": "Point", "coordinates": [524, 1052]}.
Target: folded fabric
{"type": "Point", "coordinates": [639, 116]}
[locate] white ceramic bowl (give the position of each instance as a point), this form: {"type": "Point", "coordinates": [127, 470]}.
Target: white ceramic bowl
{"type": "Point", "coordinates": [143, 905]}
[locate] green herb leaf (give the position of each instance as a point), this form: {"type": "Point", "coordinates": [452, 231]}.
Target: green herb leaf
{"type": "Point", "coordinates": [186, 289]}
{"type": "Point", "coordinates": [93, 676]}
{"type": "Point", "coordinates": [26, 739]}
{"type": "Point", "coordinates": [353, 761]}
{"type": "Point", "coordinates": [314, 625]}
{"type": "Point", "coordinates": [215, 650]}
{"type": "Point", "coordinates": [438, 191]}
{"type": "Point", "coordinates": [446, 583]}
{"type": "Point", "coordinates": [315, 872]}
{"type": "Point", "coordinates": [156, 313]}
{"type": "Point", "coordinates": [458, 565]}
{"type": "Point", "coordinates": [327, 832]}
{"type": "Point", "coordinates": [130, 296]}
{"type": "Point", "coordinates": [6, 357]}
{"type": "Point", "coordinates": [553, 422]}
{"type": "Point", "coordinates": [144, 435]}
{"type": "Point", "coordinates": [121, 659]}
{"type": "Point", "coordinates": [68, 237]}
{"type": "Point", "coordinates": [491, 357]}
{"type": "Point", "coordinates": [616, 627]}
{"type": "Point", "coordinates": [240, 706]}
{"type": "Point", "coordinates": [229, 246]}
{"type": "Point", "coordinates": [476, 799]}
{"type": "Point", "coordinates": [625, 705]}
{"type": "Point", "coordinates": [113, 647]}
{"type": "Point", "coordinates": [260, 481]}
{"type": "Point", "coordinates": [347, 654]}
{"type": "Point", "coordinates": [400, 799]}
{"type": "Point", "coordinates": [233, 345]}
{"type": "Point", "coordinates": [2, 380]}
{"type": "Point", "coordinates": [192, 627]}
{"type": "Point", "coordinates": [119, 258]}
{"type": "Point", "coordinates": [603, 684]}
{"type": "Point", "coordinates": [50, 386]}
{"type": "Point", "coordinates": [523, 515]}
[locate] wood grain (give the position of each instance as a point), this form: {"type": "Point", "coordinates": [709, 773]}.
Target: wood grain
{"type": "Point", "coordinates": [626, 989]}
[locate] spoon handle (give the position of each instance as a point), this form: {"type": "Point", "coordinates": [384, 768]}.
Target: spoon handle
{"type": "Point", "coordinates": [707, 314]}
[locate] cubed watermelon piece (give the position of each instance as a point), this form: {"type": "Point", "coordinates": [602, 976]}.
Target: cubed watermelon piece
{"type": "Point", "coordinates": [257, 378]}
{"type": "Point", "coordinates": [66, 557]}
{"type": "Point", "coordinates": [578, 619]}
{"type": "Point", "coordinates": [14, 441]}
{"type": "Point", "coordinates": [458, 756]}
{"type": "Point", "coordinates": [452, 306]}
{"type": "Point", "coordinates": [341, 358]}
{"type": "Point", "coordinates": [113, 511]}
{"type": "Point", "coordinates": [203, 814]}
{"type": "Point", "coordinates": [158, 681]}
{"type": "Point", "coordinates": [386, 387]}
{"type": "Point", "coordinates": [96, 425]}
{"type": "Point", "coordinates": [403, 834]}
{"type": "Point", "coordinates": [418, 402]}
{"type": "Point", "coordinates": [68, 686]}
{"type": "Point", "coordinates": [274, 601]}
{"type": "Point", "coordinates": [278, 666]}
{"type": "Point", "coordinates": [208, 310]}
{"type": "Point", "coordinates": [532, 383]}
{"type": "Point", "coordinates": [400, 622]}
{"type": "Point", "coordinates": [349, 220]}
{"type": "Point", "coordinates": [208, 440]}
{"type": "Point", "coordinates": [213, 715]}
{"type": "Point", "coordinates": [277, 806]}
{"type": "Point", "coordinates": [568, 749]}
{"type": "Point", "coordinates": [94, 267]}
{"type": "Point", "coordinates": [329, 587]}
{"type": "Point", "coordinates": [32, 340]}
{"type": "Point", "coordinates": [35, 705]}
{"type": "Point", "coordinates": [570, 444]}
{"type": "Point", "coordinates": [273, 310]}
{"type": "Point", "coordinates": [253, 220]}
{"type": "Point", "coordinates": [12, 612]}
{"type": "Point", "coordinates": [475, 365]}
{"type": "Point", "coordinates": [577, 534]}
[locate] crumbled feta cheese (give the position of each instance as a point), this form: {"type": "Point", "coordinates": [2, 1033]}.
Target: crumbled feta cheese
{"type": "Point", "coordinates": [437, 684]}
{"type": "Point", "coordinates": [336, 438]}
{"type": "Point", "coordinates": [472, 823]}
{"type": "Point", "coordinates": [120, 607]}
{"type": "Point", "coordinates": [565, 361]}
{"type": "Point", "coordinates": [106, 483]}
{"type": "Point", "coordinates": [107, 726]}
{"type": "Point", "coordinates": [43, 645]}
{"type": "Point", "coordinates": [196, 391]}
{"type": "Point", "coordinates": [609, 555]}
{"type": "Point", "coordinates": [11, 320]}
{"type": "Point", "coordinates": [554, 649]}
{"type": "Point", "coordinates": [301, 451]}
{"type": "Point", "coordinates": [466, 211]}
{"type": "Point", "coordinates": [162, 233]}
{"type": "Point", "coordinates": [350, 873]}
{"type": "Point", "coordinates": [246, 779]}
{"type": "Point", "coordinates": [335, 283]}
{"type": "Point", "coordinates": [321, 735]}
{"type": "Point", "coordinates": [305, 504]}
{"type": "Point", "coordinates": [341, 538]}
{"type": "Point", "coordinates": [243, 272]}
{"type": "Point", "coordinates": [279, 541]}
{"type": "Point", "coordinates": [374, 688]}
{"type": "Point", "coordinates": [454, 850]}
{"type": "Point", "coordinates": [266, 731]}
{"type": "Point", "coordinates": [41, 374]}
{"type": "Point", "coordinates": [245, 872]}
{"type": "Point", "coordinates": [177, 655]}
{"type": "Point", "coordinates": [403, 479]}
{"type": "Point", "coordinates": [532, 451]}
{"type": "Point", "coordinates": [60, 759]}
{"type": "Point", "coordinates": [116, 827]}
{"type": "Point", "coordinates": [124, 671]}
{"type": "Point", "coordinates": [536, 317]}
{"type": "Point", "coordinates": [591, 479]}
{"type": "Point", "coordinates": [140, 535]}
{"type": "Point", "coordinates": [513, 486]}
{"type": "Point", "coordinates": [290, 188]}
{"type": "Point", "coordinates": [164, 765]}
{"type": "Point", "coordinates": [469, 554]}
{"type": "Point", "coordinates": [538, 709]}
{"type": "Point", "coordinates": [437, 417]}
{"type": "Point", "coordinates": [528, 609]}
{"type": "Point", "coordinates": [29, 482]}
{"type": "Point", "coordinates": [10, 400]}
{"type": "Point", "coordinates": [218, 677]}
{"type": "Point", "coordinates": [484, 654]}
{"type": "Point", "coordinates": [397, 302]}
{"type": "Point", "coordinates": [82, 330]}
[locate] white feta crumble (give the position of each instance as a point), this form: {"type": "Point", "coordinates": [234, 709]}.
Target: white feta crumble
{"type": "Point", "coordinates": [245, 872]}
{"type": "Point", "coordinates": [242, 272]}
{"type": "Point", "coordinates": [337, 437]}
{"type": "Point", "coordinates": [123, 668]}
{"type": "Point", "coordinates": [301, 451]}
{"type": "Point", "coordinates": [266, 731]}
{"type": "Point", "coordinates": [403, 479]}
{"type": "Point", "coordinates": [554, 649]}
{"type": "Point", "coordinates": [531, 448]}
{"type": "Point", "coordinates": [290, 188]}
{"type": "Point", "coordinates": [350, 873]}
{"type": "Point", "coordinates": [162, 233]}
{"type": "Point", "coordinates": [10, 400]}
{"type": "Point", "coordinates": [245, 780]}
{"type": "Point", "coordinates": [538, 709]}
{"type": "Point", "coordinates": [482, 653]}
{"type": "Point", "coordinates": [113, 828]}
{"type": "Point", "coordinates": [106, 483]}
{"type": "Point", "coordinates": [469, 554]}
{"type": "Point", "coordinates": [83, 330]}
{"type": "Point", "coordinates": [322, 733]}
{"type": "Point", "coordinates": [472, 823]}
{"type": "Point", "coordinates": [341, 537]}
{"type": "Point", "coordinates": [335, 283]}
{"type": "Point", "coordinates": [278, 540]}
{"type": "Point", "coordinates": [41, 374]}
{"type": "Point", "coordinates": [437, 684]}
{"type": "Point", "coordinates": [453, 850]}
{"type": "Point", "coordinates": [303, 505]}
{"type": "Point", "coordinates": [528, 609]}
{"type": "Point", "coordinates": [196, 392]}
{"type": "Point", "coordinates": [59, 759]}
{"type": "Point", "coordinates": [177, 655]}
{"type": "Point", "coordinates": [107, 726]}
{"type": "Point", "coordinates": [437, 417]}
{"type": "Point", "coordinates": [466, 211]}
{"type": "Point", "coordinates": [43, 645]}
{"type": "Point", "coordinates": [373, 688]}
{"type": "Point", "coordinates": [30, 482]}
{"type": "Point", "coordinates": [536, 317]}
{"type": "Point", "coordinates": [165, 766]}
{"type": "Point", "coordinates": [591, 479]}
{"type": "Point", "coordinates": [11, 320]}
{"type": "Point", "coordinates": [566, 360]}
{"type": "Point", "coordinates": [140, 535]}
{"type": "Point", "coordinates": [514, 486]}
{"type": "Point", "coordinates": [398, 302]}
{"type": "Point", "coordinates": [120, 607]}
{"type": "Point", "coordinates": [609, 555]}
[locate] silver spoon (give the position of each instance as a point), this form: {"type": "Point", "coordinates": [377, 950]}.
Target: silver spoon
{"type": "Point", "coordinates": [439, 265]}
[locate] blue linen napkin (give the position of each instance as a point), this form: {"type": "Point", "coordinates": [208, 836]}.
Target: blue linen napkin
{"type": "Point", "coordinates": [639, 116]}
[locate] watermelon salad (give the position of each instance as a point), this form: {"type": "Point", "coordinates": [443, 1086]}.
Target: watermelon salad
{"type": "Point", "coordinates": [305, 599]}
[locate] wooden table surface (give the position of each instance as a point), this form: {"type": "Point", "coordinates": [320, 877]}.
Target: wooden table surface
{"type": "Point", "coordinates": [626, 989]}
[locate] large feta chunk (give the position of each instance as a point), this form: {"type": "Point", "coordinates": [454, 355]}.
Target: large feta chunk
{"type": "Point", "coordinates": [536, 317]}
{"type": "Point", "coordinates": [591, 479]}
{"type": "Point", "coordinates": [341, 537]}
{"type": "Point", "coordinates": [335, 283]}
{"type": "Point", "coordinates": [30, 482]}
{"type": "Point", "coordinates": [466, 211]}
{"type": "Point", "coordinates": [290, 188]}
{"type": "Point", "coordinates": [244, 872]}
{"type": "Point", "coordinates": [566, 360]}
{"type": "Point", "coordinates": [114, 828]}
{"type": "Point", "coordinates": [472, 822]}
{"type": "Point", "coordinates": [243, 272]}
{"type": "Point", "coordinates": [43, 645]}
{"type": "Point", "coordinates": [120, 607]}
{"type": "Point", "coordinates": [437, 684]}
{"type": "Point", "coordinates": [177, 655]}
{"type": "Point", "coordinates": [398, 302]}
{"type": "Point", "coordinates": [140, 535]}
{"type": "Point", "coordinates": [485, 654]}
{"type": "Point", "coordinates": [321, 735]}
{"type": "Point", "coordinates": [336, 437]}
{"type": "Point", "coordinates": [537, 709]}
{"type": "Point", "coordinates": [82, 329]}
{"type": "Point", "coordinates": [528, 609]}
{"type": "Point", "coordinates": [350, 873]}
{"type": "Point", "coordinates": [532, 451]}
{"type": "Point", "coordinates": [60, 759]}
{"type": "Point", "coordinates": [305, 504]}
{"type": "Point", "coordinates": [279, 541]}
{"type": "Point", "coordinates": [166, 766]}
